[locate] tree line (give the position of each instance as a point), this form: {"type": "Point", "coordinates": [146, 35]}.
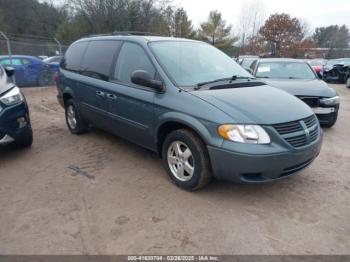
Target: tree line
{"type": "Point", "coordinates": [279, 35]}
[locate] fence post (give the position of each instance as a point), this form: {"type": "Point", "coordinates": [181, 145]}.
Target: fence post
{"type": "Point", "coordinates": [9, 51]}
{"type": "Point", "coordinates": [59, 45]}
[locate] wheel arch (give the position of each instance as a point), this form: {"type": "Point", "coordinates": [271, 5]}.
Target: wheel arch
{"type": "Point", "coordinates": [67, 94]}
{"type": "Point", "coordinates": [175, 121]}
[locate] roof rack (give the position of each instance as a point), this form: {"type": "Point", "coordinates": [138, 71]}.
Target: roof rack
{"type": "Point", "coordinates": [125, 33]}
{"type": "Point", "coordinates": [95, 35]}
{"type": "Point", "coordinates": [137, 33]}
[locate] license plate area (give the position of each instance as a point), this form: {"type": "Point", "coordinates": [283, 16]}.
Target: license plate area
{"type": "Point", "coordinates": [323, 110]}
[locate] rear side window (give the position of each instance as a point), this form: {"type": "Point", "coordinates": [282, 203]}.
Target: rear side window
{"type": "Point", "coordinates": [74, 54]}
{"type": "Point", "coordinates": [26, 62]}
{"type": "Point", "coordinates": [15, 61]}
{"type": "Point", "coordinates": [132, 57]}
{"type": "Point", "coordinates": [98, 59]}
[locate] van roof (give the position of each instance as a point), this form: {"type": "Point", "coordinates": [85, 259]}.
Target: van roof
{"type": "Point", "coordinates": [137, 38]}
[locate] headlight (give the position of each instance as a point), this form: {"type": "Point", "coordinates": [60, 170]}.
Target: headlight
{"type": "Point", "coordinates": [12, 97]}
{"type": "Point", "coordinates": [330, 101]}
{"type": "Point", "coordinates": [249, 134]}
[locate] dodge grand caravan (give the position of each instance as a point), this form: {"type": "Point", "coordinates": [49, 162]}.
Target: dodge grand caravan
{"type": "Point", "coordinates": [204, 114]}
{"type": "Point", "coordinates": [15, 125]}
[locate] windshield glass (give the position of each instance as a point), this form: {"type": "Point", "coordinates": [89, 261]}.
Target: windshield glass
{"type": "Point", "coordinates": [284, 70]}
{"type": "Point", "coordinates": [247, 63]}
{"type": "Point", "coordinates": [190, 63]}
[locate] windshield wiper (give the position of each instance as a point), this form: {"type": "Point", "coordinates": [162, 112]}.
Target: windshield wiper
{"type": "Point", "coordinates": [232, 78]}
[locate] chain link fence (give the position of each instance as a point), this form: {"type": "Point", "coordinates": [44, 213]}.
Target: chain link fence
{"type": "Point", "coordinates": [27, 71]}
{"type": "Point", "coordinates": [32, 45]}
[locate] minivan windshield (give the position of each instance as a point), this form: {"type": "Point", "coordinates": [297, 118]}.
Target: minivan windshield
{"type": "Point", "coordinates": [189, 63]}
{"type": "Point", "coordinates": [284, 70]}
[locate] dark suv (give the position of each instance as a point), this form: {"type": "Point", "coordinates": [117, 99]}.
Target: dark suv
{"type": "Point", "coordinates": [15, 125]}
{"type": "Point", "coordinates": [192, 104]}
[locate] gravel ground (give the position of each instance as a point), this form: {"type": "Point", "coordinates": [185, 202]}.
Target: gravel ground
{"type": "Point", "coordinates": [97, 194]}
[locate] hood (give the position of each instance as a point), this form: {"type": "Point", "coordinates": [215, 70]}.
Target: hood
{"type": "Point", "coordinates": [331, 67]}
{"type": "Point", "coordinates": [5, 84]}
{"type": "Point", "coordinates": [262, 105]}
{"type": "Point", "coordinates": [297, 87]}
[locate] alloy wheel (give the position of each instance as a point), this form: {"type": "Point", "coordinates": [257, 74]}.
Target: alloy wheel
{"type": "Point", "coordinates": [71, 117]}
{"type": "Point", "coordinates": [181, 161]}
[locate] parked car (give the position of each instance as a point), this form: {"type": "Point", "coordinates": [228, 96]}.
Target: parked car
{"type": "Point", "coordinates": [204, 114]}
{"type": "Point", "coordinates": [317, 65]}
{"type": "Point", "coordinates": [42, 57]}
{"type": "Point", "coordinates": [14, 114]}
{"type": "Point", "coordinates": [53, 59]}
{"type": "Point", "coordinates": [53, 62]}
{"type": "Point", "coordinates": [297, 78]}
{"type": "Point", "coordinates": [247, 61]}
{"type": "Point", "coordinates": [337, 70]}
{"type": "Point", "coordinates": [29, 70]}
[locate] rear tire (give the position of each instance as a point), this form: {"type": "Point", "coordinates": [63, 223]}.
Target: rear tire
{"type": "Point", "coordinates": [186, 160]}
{"type": "Point", "coordinates": [348, 82]}
{"type": "Point", "coordinates": [75, 122]}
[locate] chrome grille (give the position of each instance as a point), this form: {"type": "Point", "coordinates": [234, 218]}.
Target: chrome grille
{"type": "Point", "coordinates": [299, 133]}
{"type": "Point", "coordinates": [287, 128]}
{"type": "Point", "coordinates": [310, 121]}
{"type": "Point", "coordinates": [297, 141]}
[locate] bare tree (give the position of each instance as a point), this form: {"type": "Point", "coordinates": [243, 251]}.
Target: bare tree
{"type": "Point", "coordinates": [252, 17]}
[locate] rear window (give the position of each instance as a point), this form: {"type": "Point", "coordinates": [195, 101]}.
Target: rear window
{"type": "Point", "coordinates": [98, 59]}
{"type": "Point", "coordinates": [74, 54]}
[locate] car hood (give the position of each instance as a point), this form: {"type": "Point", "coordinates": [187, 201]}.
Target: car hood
{"type": "Point", "coordinates": [262, 105]}
{"type": "Point", "coordinates": [298, 87]}
{"type": "Point", "coordinates": [329, 67]}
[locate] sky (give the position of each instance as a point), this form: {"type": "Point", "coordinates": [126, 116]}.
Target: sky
{"type": "Point", "coordinates": [315, 13]}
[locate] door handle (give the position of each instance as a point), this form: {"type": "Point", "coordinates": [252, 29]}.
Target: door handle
{"type": "Point", "coordinates": [100, 93]}
{"type": "Point", "coordinates": [112, 97]}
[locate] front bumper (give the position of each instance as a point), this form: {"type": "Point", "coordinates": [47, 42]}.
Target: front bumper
{"type": "Point", "coordinates": [10, 129]}
{"type": "Point", "coordinates": [257, 167]}
{"type": "Point", "coordinates": [325, 114]}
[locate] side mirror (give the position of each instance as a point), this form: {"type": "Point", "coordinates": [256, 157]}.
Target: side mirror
{"type": "Point", "coordinates": [10, 71]}
{"type": "Point", "coordinates": [143, 78]}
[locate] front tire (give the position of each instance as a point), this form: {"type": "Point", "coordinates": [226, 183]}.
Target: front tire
{"type": "Point", "coordinates": [186, 160]}
{"type": "Point", "coordinates": [25, 141]}
{"type": "Point", "coordinates": [75, 122]}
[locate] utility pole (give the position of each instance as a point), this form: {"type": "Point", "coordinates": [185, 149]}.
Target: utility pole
{"type": "Point", "coordinates": [59, 45]}
{"type": "Point", "coordinates": [9, 51]}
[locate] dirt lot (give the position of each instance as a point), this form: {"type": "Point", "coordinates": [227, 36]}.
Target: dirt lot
{"type": "Point", "coordinates": [121, 201]}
